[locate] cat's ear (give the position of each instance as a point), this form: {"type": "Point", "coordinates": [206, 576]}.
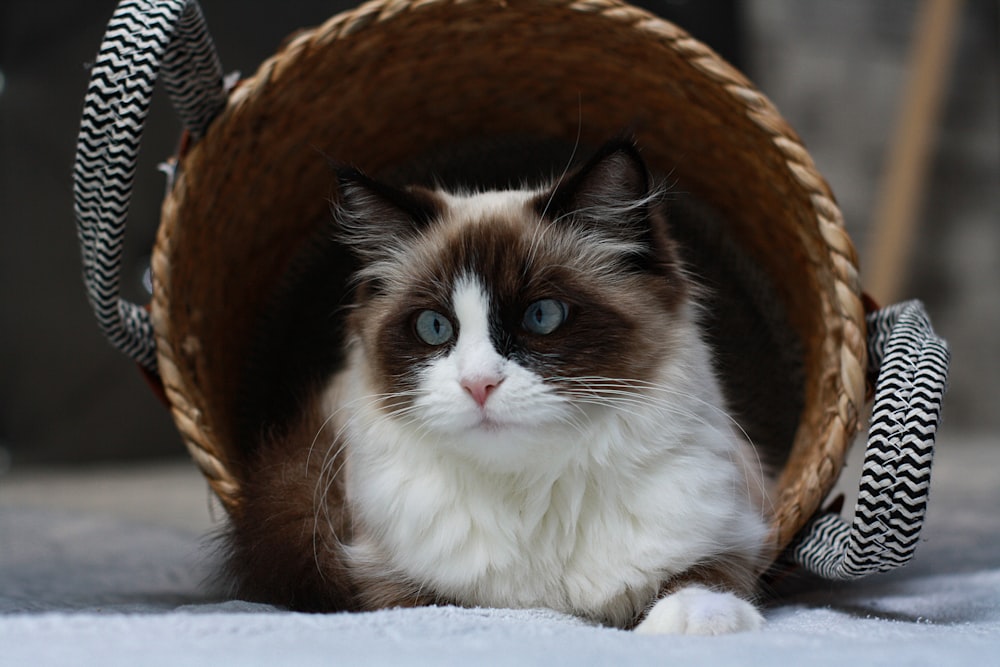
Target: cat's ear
{"type": "Point", "coordinates": [611, 190]}
{"type": "Point", "coordinates": [375, 218]}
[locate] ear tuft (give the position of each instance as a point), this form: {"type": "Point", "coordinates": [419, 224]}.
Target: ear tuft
{"type": "Point", "coordinates": [614, 178]}
{"type": "Point", "coordinates": [373, 217]}
{"type": "Point", "coordinates": [609, 197]}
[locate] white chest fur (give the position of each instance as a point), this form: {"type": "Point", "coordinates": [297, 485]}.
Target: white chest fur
{"type": "Point", "coordinates": [584, 503]}
{"type": "Point", "coordinates": [591, 525]}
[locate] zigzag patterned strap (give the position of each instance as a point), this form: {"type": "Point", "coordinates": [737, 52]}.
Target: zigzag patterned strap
{"type": "Point", "coordinates": [142, 35]}
{"type": "Point", "coordinates": [912, 366]}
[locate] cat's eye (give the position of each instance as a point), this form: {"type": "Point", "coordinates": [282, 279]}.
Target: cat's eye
{"type": "Point", "coordinates": [433, 328]}
{"type": "Point", "coordinates": [544, 316]}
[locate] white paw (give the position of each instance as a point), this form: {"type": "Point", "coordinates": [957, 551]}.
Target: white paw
{"type": "Point", "coordinates": [699, 611]}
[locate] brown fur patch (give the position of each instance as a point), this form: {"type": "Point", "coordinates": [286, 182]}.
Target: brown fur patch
{"type": "Point", "coordinates": [284, 543]}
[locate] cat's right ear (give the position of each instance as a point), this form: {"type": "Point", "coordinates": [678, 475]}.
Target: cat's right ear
{"type": "Point", "coordinates": [375, 219]}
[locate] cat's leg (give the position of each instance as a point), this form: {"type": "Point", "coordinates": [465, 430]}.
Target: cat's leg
{"type": "Point", "coordinates": [696, 610]}
{"type": "Point", "coordinates": [707, 600]}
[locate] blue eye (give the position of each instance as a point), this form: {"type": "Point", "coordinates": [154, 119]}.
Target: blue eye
{"type": "Point", "coordinates": [545, 316]}
{"type": "Point", "coordinates": [433, 328]}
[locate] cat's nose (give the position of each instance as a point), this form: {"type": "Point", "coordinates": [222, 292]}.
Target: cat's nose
{"type": "Point", "coordinates": [481, 387]}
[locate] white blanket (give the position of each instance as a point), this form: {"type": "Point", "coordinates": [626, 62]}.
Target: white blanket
{"type": "Point", "coordinates": [81, 585]}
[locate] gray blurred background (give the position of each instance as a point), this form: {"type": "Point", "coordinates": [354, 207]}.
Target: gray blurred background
{"type": "Point", "coordinates": [837, 71]}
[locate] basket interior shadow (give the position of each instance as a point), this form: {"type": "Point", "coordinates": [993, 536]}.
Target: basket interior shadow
{"type": "Point", "coordinates": [493, 94]}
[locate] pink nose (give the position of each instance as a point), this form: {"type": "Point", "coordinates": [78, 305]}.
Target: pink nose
{"type": "Point", "coordinates": [480, 388]}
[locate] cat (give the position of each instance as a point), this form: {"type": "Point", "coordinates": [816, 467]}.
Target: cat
{"type": "Point", "coordinates": [526, 415]}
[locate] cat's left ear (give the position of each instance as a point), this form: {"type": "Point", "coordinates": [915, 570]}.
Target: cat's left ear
{"type": "Point", "coordinates": [611, 190]}
{"type": "Point", "coordinates": [374, 218]}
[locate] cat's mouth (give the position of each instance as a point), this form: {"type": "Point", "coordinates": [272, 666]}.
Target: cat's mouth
{"type": "Point", "coordinates": [489, 424]}
{"type": "Point", "coordinates": [486, 419]}
{"type": "Point", "coordinates": [496, 422]}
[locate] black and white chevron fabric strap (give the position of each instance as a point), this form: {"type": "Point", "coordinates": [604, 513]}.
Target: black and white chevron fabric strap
{"type": "Point", "coordinates": [144, 39]}
{"type": "Point", "coordinates": [911, 363]}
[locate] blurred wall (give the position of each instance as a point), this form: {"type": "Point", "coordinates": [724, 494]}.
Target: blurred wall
{"type": "Point", "coordinates": [834, 69]}
{"type": "Point", "coordinates": [837, 71]}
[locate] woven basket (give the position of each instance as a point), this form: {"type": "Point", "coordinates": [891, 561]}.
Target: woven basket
{"type": "Point", "coordinates": [389, 82]}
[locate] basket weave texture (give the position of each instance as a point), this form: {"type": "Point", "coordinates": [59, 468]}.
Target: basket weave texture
{"type": "Point", "coordinates": [389, 81]}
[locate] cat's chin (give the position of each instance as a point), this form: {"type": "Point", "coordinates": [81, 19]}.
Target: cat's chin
{"type": "Point", "coordinates": [506, 446]}
{"type": "Point", "coordinates": [467, 421]}
{"type": "Point", "coordinates": [489, 426]}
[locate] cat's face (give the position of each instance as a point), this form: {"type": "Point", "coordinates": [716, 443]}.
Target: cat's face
{"type": "Point", "coordinates": [503, 313]}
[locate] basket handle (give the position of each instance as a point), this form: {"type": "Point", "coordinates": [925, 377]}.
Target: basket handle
{"type": "Point", "coordinates": [911, 363]}
{"type": "Point", "coordinates": [144, 38]}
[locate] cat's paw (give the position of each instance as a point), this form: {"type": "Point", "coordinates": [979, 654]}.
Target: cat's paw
{"type": "Point", "coordinates": [699, 611]}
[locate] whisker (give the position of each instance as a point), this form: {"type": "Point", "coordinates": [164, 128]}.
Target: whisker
{"type": "Point", "coordinates": [622, 385]}
{"type": "Point", "coordinates": [617, 393]}
{"type": "Point", "coordinates": [336, 457]}
{"type": "Point", "coordinates": [569, 162]}
{"type": "Point", "coordinates": [618, 388]}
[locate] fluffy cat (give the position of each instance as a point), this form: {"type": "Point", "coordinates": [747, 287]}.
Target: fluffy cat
{"type": "Point", "coordinates": [526, 416]}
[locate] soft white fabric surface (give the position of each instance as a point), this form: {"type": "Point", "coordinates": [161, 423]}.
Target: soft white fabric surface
{"type": "Point", "coordinates": [102, 582]}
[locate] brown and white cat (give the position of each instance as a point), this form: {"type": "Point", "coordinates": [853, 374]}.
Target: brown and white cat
{"type": "Point", "coordinates": [526, 416]}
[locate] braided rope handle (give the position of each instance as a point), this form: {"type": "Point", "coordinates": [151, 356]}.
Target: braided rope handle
{"type": "Point", "coordinates": [912, 367]}
{"type": "Point", "coordinates": [143, 39]}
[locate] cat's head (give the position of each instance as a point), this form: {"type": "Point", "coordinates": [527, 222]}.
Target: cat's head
{"type": "Point", "coordinates": [513, 312]}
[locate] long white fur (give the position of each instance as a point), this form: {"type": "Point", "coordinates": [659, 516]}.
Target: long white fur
{"type": "Point", "coordinates": [582, 505]}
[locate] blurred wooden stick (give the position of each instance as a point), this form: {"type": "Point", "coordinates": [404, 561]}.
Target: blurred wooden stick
{"type": "Point", "coordinates": [900, 190]}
